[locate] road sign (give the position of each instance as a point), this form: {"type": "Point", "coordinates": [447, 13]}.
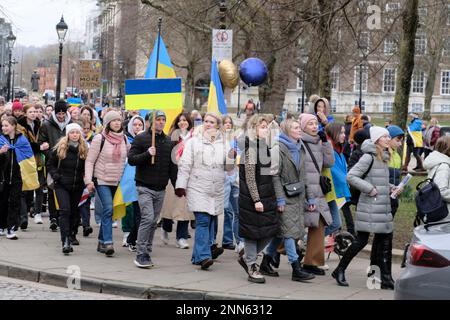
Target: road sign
{"type": "Point", "coordinates": [222, 44]}
{"type": "Point", "coordinates": [90, 74]}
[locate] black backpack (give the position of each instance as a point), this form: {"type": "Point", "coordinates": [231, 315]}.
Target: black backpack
{"type": "Point", "coordinates": [356, 192]}
{"type": "Point", "coordinates": [429, 203]}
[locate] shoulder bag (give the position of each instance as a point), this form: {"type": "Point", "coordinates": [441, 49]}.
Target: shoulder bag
{"type": "Point", "coordinates": [324, 182]}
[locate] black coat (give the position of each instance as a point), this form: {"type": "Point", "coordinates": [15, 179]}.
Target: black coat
{"type": "Point", "coordinates": [70, 173]}
{"type": "Point", "coordinates": [257, 225]}
{"type": "Point", "coordinates": [156, 176]}
{"type": "Point", "coordinates": [10, 169]}
{"type": "Point", "coordinates": [50, 132]}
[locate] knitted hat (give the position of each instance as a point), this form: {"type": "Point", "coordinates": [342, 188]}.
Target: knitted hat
{"type": "Point", "coordinates": [377, 132]}
{"type": "Point", "coordinates": [110, 116]}
{"type": "Point", "coordinates": [305, 118]}
{"type": "Point", "coordinates": [395, 131]}
{"type": "Point", "coordinates": [361, 135]}
{"type": "Point", "coordinates": [73, 126]}
{"type": "Point", "coordinates": [60, 106]}
{"type": "Point", "coordinates": [16, 106]}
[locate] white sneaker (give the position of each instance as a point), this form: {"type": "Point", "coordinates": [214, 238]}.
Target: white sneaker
{"type": "Point", "coordinates": [11, 235]}
{"type": "Point", "coordinates": [38, 218]}
{"type": "Point", "coordinates": [182, 244]}
{"type": "Point", "coordinates": [2, 232]}
{"type": "Point", "coordinates": [325, 267]}
{"type": "Point", "coordinates": [164, 236]}
{"type": "Point", "coordinates": [124, 240]}
{"type": "Point", "coordinates": [115, 224]}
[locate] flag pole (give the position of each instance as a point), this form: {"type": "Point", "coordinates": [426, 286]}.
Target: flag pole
{"type": "Point", "coordinates": [156, 76]}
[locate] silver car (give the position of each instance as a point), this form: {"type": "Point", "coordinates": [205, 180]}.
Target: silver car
{"type": "Point", "coordinates": [426, 273]}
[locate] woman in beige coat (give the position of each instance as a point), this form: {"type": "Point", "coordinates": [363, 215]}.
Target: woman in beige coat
{"type": "Point", "coordinates": [201, 179]}
{"type": "Point", "coordinates": [175, 208]}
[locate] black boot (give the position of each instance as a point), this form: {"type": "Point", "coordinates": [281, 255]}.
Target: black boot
{"type": "Point", "coordinates": [339, 272]}
{"type": "Point", "coordinates": [265, 267]}
{"type": "Point", "coordinates": [67, 248]}
{"type": "Point", "coordinates": [74, 241]}
{"type": "Point", "coordinates": [385, 259]}
{"type": "Point", "coordinates": [298, 274]}
{"type": "Point", "coordinates": [275, 261]}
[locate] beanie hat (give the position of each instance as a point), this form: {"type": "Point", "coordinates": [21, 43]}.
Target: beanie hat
{"type": "Point", "coordinates": [73, 126]}
{"type": "Point", "coordinates": [305, 118]}
{"type": "Point", "coordinates": [110, 116]}
{"type": "Point", "coordinates": [60, 106]}
{"type": "Point", "coordinates": [395, 131]}
{"type": "Point", "coordinates": [16, 106]}
{"type": "Point", "coordinates": [361, 135]}
{"type": "Point", "coordinates": [377, 132]}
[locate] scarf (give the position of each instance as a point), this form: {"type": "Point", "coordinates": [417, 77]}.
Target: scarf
{"type": "Point", "coordinates": [116, 140]}
{"type": "Point", "coordinates": [293, 147]}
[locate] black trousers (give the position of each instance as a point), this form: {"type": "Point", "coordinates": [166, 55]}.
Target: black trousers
{"type": "Point", "coordinates": [69, 213]}
{"type": "Point", "coordinates": [10, 200]}
{"type": "Point", "coordinates": [51, 204]}
{"type": "Point", "coordinates": [348, 218]}
{"type": "Point", "coordinates": [132, 237]}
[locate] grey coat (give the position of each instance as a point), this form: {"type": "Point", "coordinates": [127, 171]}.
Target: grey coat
{"type": "Point", "coordinates": [373, 214]}
{"type": "Point", "coordinates": [324, 155]}
{"type": "Point", "coordinates": [291, 220]}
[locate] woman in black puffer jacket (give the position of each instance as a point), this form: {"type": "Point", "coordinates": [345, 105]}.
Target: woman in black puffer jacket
{"type": "Point", "coordinates": [66, 167]}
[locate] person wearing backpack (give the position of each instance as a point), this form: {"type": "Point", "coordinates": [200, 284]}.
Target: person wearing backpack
{"type": "Point", "coordinates": [437, 165]}
{"type": "Point", "coordinates": [373, 212]}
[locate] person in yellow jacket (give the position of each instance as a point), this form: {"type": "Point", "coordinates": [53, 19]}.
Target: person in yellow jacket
{"type": "Point", "coordinates": [414, 143]}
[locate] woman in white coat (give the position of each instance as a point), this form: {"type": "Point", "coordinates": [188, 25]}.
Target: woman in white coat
{"type": "Point", "coordinates": [201, 179]}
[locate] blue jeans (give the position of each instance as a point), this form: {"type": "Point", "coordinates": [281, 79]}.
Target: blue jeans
{"type": "Point", "coordinates": [85, 212]}
{"type": "Point", "coordinates": [182, 229]}
{"type": "Point", "coordinates": [231, 211]}
{"type": "Point", "coordinates": [106, 194]}
{"type": "Point", "coordinates": [289, 245]}
{"type": "Point", "coordinates": [98, 209]}
{"type": "Point", "coordinates": [204, 236]}
{"type": "Point", "coordinates": [336, 224]}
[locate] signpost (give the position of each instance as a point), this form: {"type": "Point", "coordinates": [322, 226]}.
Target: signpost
{"type": "Point", "coordinates": [222, 44]}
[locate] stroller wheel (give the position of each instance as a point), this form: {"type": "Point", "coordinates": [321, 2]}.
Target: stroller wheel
{"type": "Point", "coordinates": [343, 240]}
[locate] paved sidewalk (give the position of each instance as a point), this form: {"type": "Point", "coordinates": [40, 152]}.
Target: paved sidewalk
{"type": "Point", "coordinates": [37, 256]}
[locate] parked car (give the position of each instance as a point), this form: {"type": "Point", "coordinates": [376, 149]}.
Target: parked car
{"type": "Point", "coordinates": [50, 93]}
{"type": "Point", "coordinates": [20, 92]}
{"type": "Point", "coordinates": [426, 273]}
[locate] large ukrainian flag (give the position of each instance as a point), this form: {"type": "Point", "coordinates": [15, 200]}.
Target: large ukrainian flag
{"type": "Point", "coordinates": [25, 159]}
{"type": "Point", "coordinates": [216, 100]}
{"type": "Point", "coordinates": [165, 67]}
{"type": "Point", "coordinates": [126, 192]}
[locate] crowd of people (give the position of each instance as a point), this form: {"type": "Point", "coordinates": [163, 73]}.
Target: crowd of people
{"type": "Point", "coordinates": [280, 183]}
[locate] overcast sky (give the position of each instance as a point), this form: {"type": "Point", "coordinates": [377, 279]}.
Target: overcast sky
{"type": "Point", "coordinates": [34, 21]}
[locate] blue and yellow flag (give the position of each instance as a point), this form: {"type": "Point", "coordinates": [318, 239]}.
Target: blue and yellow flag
{"type": "Point", "coordinates": [74, 102]}
{"type": "Point", "coordinates": [25, 159]}
{"type": "Point", "coordinates": [126, 192]}
{"type": "Point", "coordinates": [216, 100]}
{"type": "Point", "coordinates": [165, 67]}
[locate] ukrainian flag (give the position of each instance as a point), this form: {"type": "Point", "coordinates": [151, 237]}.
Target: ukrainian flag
{"type": "Point", "coordinates": [27, 163]}
{"type": "Point", "coordinates": [165, 67]}
{"type": "Point", "coordinates": [74, 102]}
{"type": "Point", "coordinates": [216, 100]}
{"type": "Point", "coordinates": [126, 192]}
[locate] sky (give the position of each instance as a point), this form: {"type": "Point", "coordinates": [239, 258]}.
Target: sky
{"type": "Point", "coordinates": [34, 21]}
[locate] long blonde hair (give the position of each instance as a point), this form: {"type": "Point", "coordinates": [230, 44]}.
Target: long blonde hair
{"type": "Point", "coordinates": [381, 154]}
{"type": "Point", "coordinates": [63, 145]}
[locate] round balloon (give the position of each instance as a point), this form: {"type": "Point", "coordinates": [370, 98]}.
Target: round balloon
{"type": "Point", "coordinates": [228, 74]}
{"type": "Point", "coordinates": [253, 71]}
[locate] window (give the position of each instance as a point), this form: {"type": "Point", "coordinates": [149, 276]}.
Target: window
{"type": "Point", "coordinates": [363, 105]}
{"type": "Point", "coordinates": [333, 105]}
{"type": "Point", "coordinates": [387, 106]}
{"type": "Point", "coordinates": [445, 107]}
{"type": "Point", "coordinates": [446, 48]}
{"type": "Point", "coordinates": [418, 82]}
{"type": "Point", "coordinates": [389, 80]}
{"type": "Point", "coordinates": [363, 77]}
{"type": "Point", "coordinates": [364, 39]}
{"type": "Point", "coordinates": [445, 82]}
{"type": "Point", "coordinates": [299, 79]}
{"type": "Point", "coordinates": [416, 107]}
{"type": "Point", "coordinates": [392, 10]}
{"type": "Point", "coordinates": [421, 43]}
{"type": "Point", "coordinates": [422, 13]}
{"type": "Point", "coordinates": [335, 78]}
{"type": "Point", "coordinates": [390, 45]}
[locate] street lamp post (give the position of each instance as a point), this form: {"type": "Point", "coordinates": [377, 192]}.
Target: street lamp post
{"type": "Point", "coordinates": [61, 29]}
{"type": "Point", "coordinates": [360, 87]}
{"type": "Point", "coordinates": [11, 38]}
{"type": "Point", "coordinates": [73, 73]}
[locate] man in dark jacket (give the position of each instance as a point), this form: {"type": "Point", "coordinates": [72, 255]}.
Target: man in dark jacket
{"type": "Point", "coordinates": [51, 131]}
{"type": "Point", "coordinates": [151, 181]}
